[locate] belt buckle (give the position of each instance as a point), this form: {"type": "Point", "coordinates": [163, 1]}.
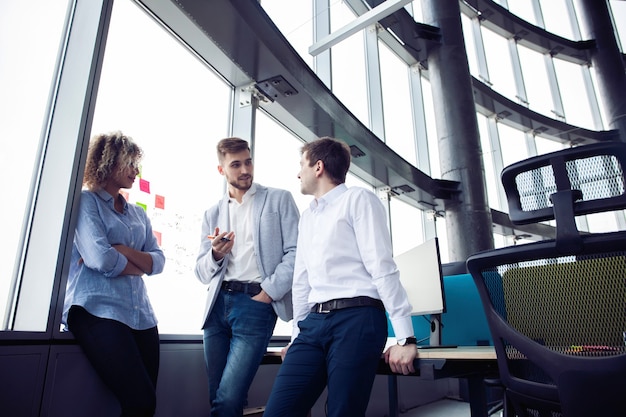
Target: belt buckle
{"type": "Point", "coordinates": [320, 309]}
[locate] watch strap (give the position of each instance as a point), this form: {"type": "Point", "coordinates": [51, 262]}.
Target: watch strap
{"type": "Point", "coordinates": [408, 341]}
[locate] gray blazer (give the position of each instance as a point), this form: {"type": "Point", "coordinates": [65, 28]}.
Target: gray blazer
{"type": "Point", "coordinates": [275, 233]}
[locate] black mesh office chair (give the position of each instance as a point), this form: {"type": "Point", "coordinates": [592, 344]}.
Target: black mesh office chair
{"type": "Point", "coordinates": [557, 308]}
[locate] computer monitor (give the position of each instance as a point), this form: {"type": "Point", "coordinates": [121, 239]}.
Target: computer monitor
{"type": "Point", "coordinates": [420, 274]}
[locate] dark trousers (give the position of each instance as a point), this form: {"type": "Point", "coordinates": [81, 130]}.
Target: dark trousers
{"type": "Point", "coordinates": [127, 360]}
{"type": "Point", "coordinates": [341, 350]}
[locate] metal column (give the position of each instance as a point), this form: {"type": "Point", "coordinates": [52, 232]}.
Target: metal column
{"type": "Point", "coordinates": [468, 219]}
{"type": "Point", "coordinates": [607, 61]}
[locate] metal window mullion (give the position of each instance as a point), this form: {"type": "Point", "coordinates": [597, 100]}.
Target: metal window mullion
{"type": "Point", "coordinates": [420, 137]}
{"type": "Point", "coordinates": [384, 193]}
{"type": "Point", "coordinates": [374, 82]}
{"type": "Point", "coordinates": [557, 101]}
{"type": "Point", "coordinates": [243, 110]}
{"type": "Point", "coordinates": [518, 75]}
{"type": "Point", "coordinates": [420, 133]}
{"type": "Point", "coordinates": [531, 143]}
{"type": "Point", "coordinates": [322, 62]}
{"type": "Point", "coordinates": [481, 56]}
{"type": "Point", "coordinates": [536, 5]}
{"type": "Point", "coordinates": [573, 19]}
{"type": "Point", "coordinates": [496, 158]}
{"type": "Point", "coordinates": [592, 98]}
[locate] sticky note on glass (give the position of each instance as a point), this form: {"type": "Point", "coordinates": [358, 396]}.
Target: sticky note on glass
{"type": "Point", "coordinates": [159, 201]}
{"type": "Point", "coordinates": [157, 235]}
{"type": "Point", "coordinates": [142, 205]}
{"type": "Point", "coordinates": [144, 185]}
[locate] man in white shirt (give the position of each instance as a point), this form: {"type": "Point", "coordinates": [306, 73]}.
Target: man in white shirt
{"type": "Point", "coordinates": [344, 280]}
{"type": "Point", "coordinates": [246, 257]}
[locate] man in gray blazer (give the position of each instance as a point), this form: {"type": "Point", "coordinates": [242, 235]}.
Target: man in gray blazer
{"type": "Point", "coordinates": [246, 257]}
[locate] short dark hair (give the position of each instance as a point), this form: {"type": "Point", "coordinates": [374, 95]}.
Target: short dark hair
{"type": "Point", "coordinates": [230, 145]}
{"type": "Point", "coordinates": [334, 153]}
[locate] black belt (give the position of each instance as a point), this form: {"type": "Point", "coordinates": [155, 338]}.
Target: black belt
{"type": "Point", "coordinates": [340, 303]}
{"type": "Point", "coordinates": [251, 288]}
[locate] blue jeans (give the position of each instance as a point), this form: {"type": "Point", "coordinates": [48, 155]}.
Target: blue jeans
{"type": "Point", "coordinates": [340, 349]}
{"type": "Point", "coordinates": [236, 336]}
{"type": "Point", "coordinates": [126, 360]}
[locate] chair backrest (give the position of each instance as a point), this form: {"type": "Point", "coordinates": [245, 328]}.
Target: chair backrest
{"type": "Point", "coordinates": [557, 308]}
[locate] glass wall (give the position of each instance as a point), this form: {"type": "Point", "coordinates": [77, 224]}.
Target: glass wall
{"type": "Point", "coordinates": [28, 61]}
{"type": "Point", "coordinates": [618, 9]}
{"type": "Point", "coordinates": [178, 126]}
{"type": "Point", "coordinates": [179, 123]}
{"type": "Point", "coordinates": [523, 75]}
{"type": "Point", "coordinates": [348, 66]}
{"type": "Point", "coordinates": [397, 104]}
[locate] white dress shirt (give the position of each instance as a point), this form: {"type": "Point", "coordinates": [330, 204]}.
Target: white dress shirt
{"type": "Point", "coordinates": [243, 263]}
{"type": "Point", "coordinates": [344, 251]}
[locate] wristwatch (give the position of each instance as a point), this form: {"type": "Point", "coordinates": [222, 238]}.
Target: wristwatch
{"type": "Point", "coordinates": [408, 341]}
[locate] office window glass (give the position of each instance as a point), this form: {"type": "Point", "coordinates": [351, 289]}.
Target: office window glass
{"type": "Point", "coordinates": [536, 81]}
{"type": "Point", "coordinates": [545, 146]}
{"type": "Point", "coordinates": [27, 71]}
{"type": "Point", "coordinates": [576, 101]}
{"type": "Point", "coordinates": [397, 104]}
{"type": "Point", "coordinates": [442, 234]}
{"type": "Point", "coordinates": [492, 178]}
{"type": "Point", "coordinates": [431, 129]}
{"type": "Point", "coordinates": [348, 65]}
{"type": "Point", "coordinates": [603, 222]}
{"type": "Point", "coordinates": [522, 9]}
{"type": "Point", "coordinates": [512, 144]}
{"type": "Point", "coordinates": [603, 110]}
{"type": "Point", "coordinates": [470, 45]}
{"type": "Point", "coordinates": [434, 161]}
{"type": "Point", "coordinates": [618, 10]}
{"type": "Point", "coordinates": [277, 158]}
{"type": "Point", "coordinates": [156, 91]}
{"type": "Point", "coordinates": [276, 164]}
{"type": "Point", "coordinates": [295, 21]}
{"type": "Point", "coordinates": [499, 64]}
{"type": "Point", "coordinates": [406, 226]}
{"type": "Point", "coordinates": [500, 241]}
{"type": "Point", "coordinates": [556, 18]}
{"type": "Point", "coordinates": [415, 9]}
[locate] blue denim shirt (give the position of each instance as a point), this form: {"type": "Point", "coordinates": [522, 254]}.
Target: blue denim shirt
{"type": "Point", "coordinates": [94, 280]}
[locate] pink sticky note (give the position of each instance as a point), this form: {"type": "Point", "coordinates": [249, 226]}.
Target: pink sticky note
{"type": "Point", "coordinates": [158, 237]}
{"type": "Point", "coordinates": [144, 185]}
{"type": "Point", "coordinates": [159, 201]}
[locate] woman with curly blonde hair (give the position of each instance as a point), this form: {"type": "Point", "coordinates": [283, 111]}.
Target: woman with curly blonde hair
{"type": "Point", "coordinates": [106, 303]}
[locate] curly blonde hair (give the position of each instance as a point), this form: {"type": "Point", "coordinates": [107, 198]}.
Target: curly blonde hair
{"type": "Point", "coordinates": [108, 152]}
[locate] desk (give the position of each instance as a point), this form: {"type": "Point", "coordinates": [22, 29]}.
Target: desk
{"type": "Point", "coordinates": [473, 363]}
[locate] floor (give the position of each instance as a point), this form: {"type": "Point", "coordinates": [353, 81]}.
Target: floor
{"type": "Point", "coordinates": [442, 408]}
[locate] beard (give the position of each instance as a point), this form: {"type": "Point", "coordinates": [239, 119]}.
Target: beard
{"type": "Point", "coordinates": [242, 183]}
